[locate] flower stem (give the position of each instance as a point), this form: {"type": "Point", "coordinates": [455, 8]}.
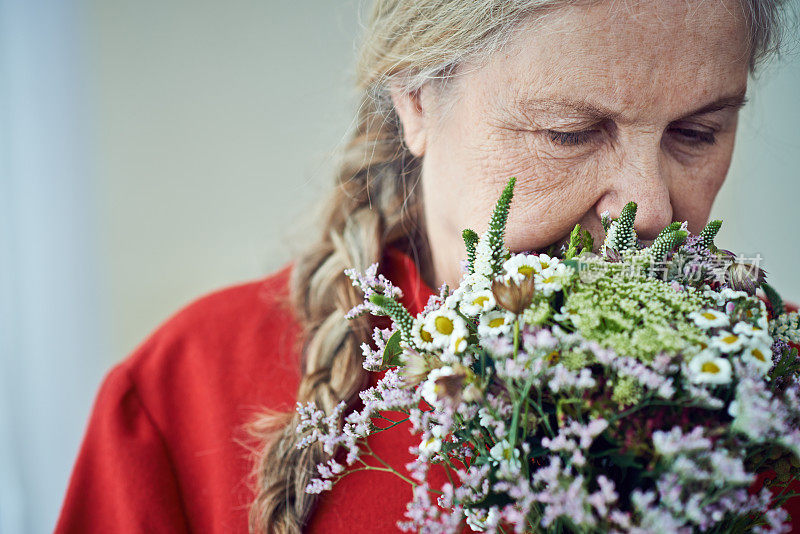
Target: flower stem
{"type": "Point", "coordinates": [389, 469]}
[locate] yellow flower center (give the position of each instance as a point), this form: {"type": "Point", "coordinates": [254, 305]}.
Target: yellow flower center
{"type": "Point", "coordinates": [444, 325]}
{"type": "Point", "coordinates": [710, 367]}
{"type": "Point", "coordinates": [425, 335]}
{"type": "Point", "coordinates": [708, 315]}
{"type": "Point", "coordinates": [731, 339]}
{"type": "Point", "coordinates": [548, 280]}
{"type": "Point", "coordinates": [480, 301]}
{"type": "Point", "coordinates": [525, 270]}
{"type": "Point", "coordinates": [544, 265]}
{"type": "Point", "coordinates": [758, 355]}
{"type": "Point", "coordinates": [500, 321]}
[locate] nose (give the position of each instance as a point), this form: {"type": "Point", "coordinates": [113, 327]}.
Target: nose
{"type": "Point", "coordinates": [640, 177]}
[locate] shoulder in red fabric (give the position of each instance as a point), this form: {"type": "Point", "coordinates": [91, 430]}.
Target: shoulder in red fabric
{"type": "Point", "coordinates": [163, 452]}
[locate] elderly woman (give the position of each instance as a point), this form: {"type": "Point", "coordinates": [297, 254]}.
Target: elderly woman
{"type": "Point", "coordinates": [589, 104]}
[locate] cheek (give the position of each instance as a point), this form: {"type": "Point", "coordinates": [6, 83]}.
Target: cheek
{"type": "Point", "coordinates": [553, 192]}
{"type": "Point", "coordinates": [694, 185]}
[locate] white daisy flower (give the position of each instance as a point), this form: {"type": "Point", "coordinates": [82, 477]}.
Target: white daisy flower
{"type": "Point", "coordinates": [443, 324]}
{"type": "Point", "coordinates": [457, 344]}
{"type": "Point", "coordinates": [420, 335]}
{"type": "Point", "coordinates": [731, 294]}
{"type": "Point", "coordinates": [752, 331]}
{"type": "Point", "coordinates": [552, 279]}
{"type": "Point", "coordinates": [479, 522]}
{"type": "Point", "coordinates": [759, 355]}
{"type": "Point", "coordinates": [545, 262]}
{"type": "Point", "coordinates": [434, 443]}
{"type": "Point", "coordinates": [429, 389]}
{"type": "Point", "coordinates": [744, 328]}
{"type": "Point", "coordinates": [475, 302]}
{"type": "Point", "coordinates": [709, 318]}
{"type": "Point", "coordinates": [453, 299]}
{"type": "Point", "coordinates": [709, 368]}
{"type": "Point", "coordinates": [485, 418]}
{"type": "Point", "coordinates": [521, 266]}
{"type": "Point", "coordinates": [495, 323]}
{"type": "Point", "coordinates": [727, 341]}
{"type": "Point", "coordinates": [504, 452]}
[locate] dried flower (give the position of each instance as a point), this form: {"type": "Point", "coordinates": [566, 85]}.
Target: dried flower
{"type": "Point", "coordinates": [415, 369]}
{"type": "Point", "coordinates": [612, 255]}
{"type": "Point", "coordinates": [745, 276]}
{"type": "Point", "coordinates": [514, 295]}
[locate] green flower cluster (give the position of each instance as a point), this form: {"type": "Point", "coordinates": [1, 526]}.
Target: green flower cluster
{"type": "Point", "coordinates": [636, 316]}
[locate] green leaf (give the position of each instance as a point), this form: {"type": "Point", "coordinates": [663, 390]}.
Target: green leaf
{"type": "Point", "coordinates": [393, 350]}
{"type": "Point", "coordinates": [497, 225]}
{"type": "Point", "coordinates": [778, 308]}
{"type": "Point", "coordinates": [708, 234]}
{"type": "Point", "coordinates": [621, 235]}
{"type": "Point", "coordinates": [470, 241]}
{"type": "Point", "coordinates": [666, 242]}
{"type": "Point", "coordinates": [787, 365]}
{"type": "Point", "coordinates": [402, 319]}
{"type": "Point", "coordinates": [671, 227]}
{"type": "Point", "coordinates": [606, 222]}
{"type": "Point", "coordinates": [588, 242]}
{"type": "Point", "coordinates": [575, 239]}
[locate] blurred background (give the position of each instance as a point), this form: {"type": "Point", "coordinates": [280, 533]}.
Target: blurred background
{"type": "Point", "coordinates": [153, 151]}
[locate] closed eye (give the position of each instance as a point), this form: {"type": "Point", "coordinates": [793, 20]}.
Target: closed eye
{"type": "Point", "coordinates": [693, 137]}
{"type": "Point", "coordinates": [571, 138]}
{"type": "Point", "coordinates": [687, 136]}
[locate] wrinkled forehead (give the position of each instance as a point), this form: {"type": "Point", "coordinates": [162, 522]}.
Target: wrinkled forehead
{"type": "Point", "coordinates": [632, 55]}
{"type": "Point", "coordinates": [615, 25]}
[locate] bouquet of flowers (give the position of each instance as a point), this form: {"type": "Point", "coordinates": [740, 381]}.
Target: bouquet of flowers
{"type": "Point", "coordinates": [641, 389]}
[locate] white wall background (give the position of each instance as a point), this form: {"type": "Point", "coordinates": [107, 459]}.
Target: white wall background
{"type": "Point", "coordinates": [214, 122]}
{"type": "Point", "coordinates": [54, 337]}
{"type": "Point", "coordinates": [152, 151]}
{"type": "Point", "coordinates": [760, 201]}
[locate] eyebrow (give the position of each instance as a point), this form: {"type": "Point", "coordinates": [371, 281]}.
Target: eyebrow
{"type": "Point", "coordinates": [735, 101]}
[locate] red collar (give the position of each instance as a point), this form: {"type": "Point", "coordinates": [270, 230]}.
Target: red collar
{"type": "Point", "coordinates": [403, 272]}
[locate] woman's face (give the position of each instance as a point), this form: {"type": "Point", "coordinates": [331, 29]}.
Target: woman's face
{"type": "Point", "coordinates": [593, 107]}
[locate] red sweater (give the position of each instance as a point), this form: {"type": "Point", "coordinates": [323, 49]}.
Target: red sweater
{"type": "Point", "coordinates": [165, 449]}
